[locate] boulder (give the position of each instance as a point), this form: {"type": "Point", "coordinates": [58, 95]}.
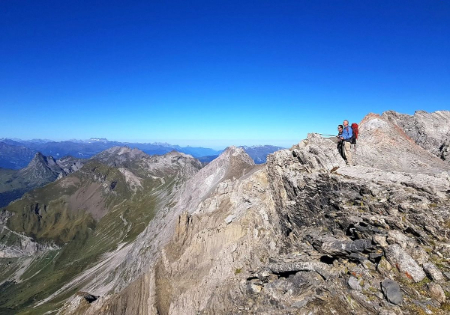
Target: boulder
{"type": "Point", "coordinates": [436, 292]}
{"type": "Point", "coordinates": [433, 272]}
{"type": "Point", "coordinates": [391, 291]}
{"type": "Point", "coordinates": [404, 262]}
{"type": "Point", "coordinates": [353, 283]}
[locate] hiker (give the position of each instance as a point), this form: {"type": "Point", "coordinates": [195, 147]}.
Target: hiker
{"type": "Point", "coordinates": [340, 144]}
{"type": "Point", "coordinates": [347, 135]}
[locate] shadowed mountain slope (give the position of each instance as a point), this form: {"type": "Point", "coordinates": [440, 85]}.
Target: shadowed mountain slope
{"type": "Point", "coordinates": [39, 172]}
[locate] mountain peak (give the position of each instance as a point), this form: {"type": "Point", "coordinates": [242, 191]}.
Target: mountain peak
{"type": "Point", "coordinates": [41, 169]}
{"type": "Point", "coordinates": [39, 158]}
{"type": "Point", "coordinates": [119, 155]}
{"type": "Point", "coordinates": [236, 152]}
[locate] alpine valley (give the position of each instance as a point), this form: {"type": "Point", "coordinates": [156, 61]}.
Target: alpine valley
{"type": "Point", "coordinates": [124, 232]}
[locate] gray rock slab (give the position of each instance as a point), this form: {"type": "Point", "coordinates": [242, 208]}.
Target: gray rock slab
{"type": "Point", "coordinates": [392, 291]}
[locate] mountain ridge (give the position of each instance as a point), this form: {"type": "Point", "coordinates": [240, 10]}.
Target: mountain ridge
{"type": "Point", "coordinates": [16, 154]}
{"type": "Point", "coordinates": [302, 233]}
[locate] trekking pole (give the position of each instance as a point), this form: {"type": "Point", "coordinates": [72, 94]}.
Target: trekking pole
{"type": "Point", "coordinates": [324, 134]}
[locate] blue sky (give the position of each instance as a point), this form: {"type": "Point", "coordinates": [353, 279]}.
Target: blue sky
{"type": "Point", "coordinates": [216, 73]}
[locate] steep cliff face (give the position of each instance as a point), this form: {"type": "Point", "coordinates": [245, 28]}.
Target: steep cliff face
{"type": "Point", "coordinates": [301, 234]}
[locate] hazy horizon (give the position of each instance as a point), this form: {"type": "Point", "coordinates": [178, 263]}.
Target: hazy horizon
{"type": "Point", "coordinates": [218, 145]}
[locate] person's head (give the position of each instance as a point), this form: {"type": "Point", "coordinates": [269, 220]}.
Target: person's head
{"type": "Point", "coordinates": [345, 123]}
{"type": "Point", "coordinates": [340, 128]}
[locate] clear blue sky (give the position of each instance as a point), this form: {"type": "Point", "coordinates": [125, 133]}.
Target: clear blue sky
{"type": "Point", "coordinates": [216, 73]}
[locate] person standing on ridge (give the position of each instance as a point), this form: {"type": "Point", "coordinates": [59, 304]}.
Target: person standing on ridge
{"type": "Point", "coordinates": [340, 144]}
{"type": "Point", "coordinates": [346, 136]}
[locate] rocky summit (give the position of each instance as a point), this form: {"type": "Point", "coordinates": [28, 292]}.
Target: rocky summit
{"type": "Point", "coordinates": [301, 234]}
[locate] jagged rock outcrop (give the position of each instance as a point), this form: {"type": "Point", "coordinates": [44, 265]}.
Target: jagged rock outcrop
{"type": "Point", "coordinates": [301, 234]}
{"type": "Point", "coordinates": [232, 164]}
{"type": "Point", "coordinates": [69, 165]}
{"type": "Point", "coordinates": [118, 156]}
{"type": "Point", "coordinates": [431, 131]}
{"type": "Point", "coordinates": [385, 145]}
{"type": "Point", "coordinates": [41, 169]}
{"type": "Point", "coordinates": [143, 164]}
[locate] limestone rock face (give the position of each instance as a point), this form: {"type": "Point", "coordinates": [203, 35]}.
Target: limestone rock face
{"type": "Point", "coordinates": [431, 131]}
{"type": "Point", "coordinates": [301, 234]}
{"type": "Point", "coordinates": [385, 145]}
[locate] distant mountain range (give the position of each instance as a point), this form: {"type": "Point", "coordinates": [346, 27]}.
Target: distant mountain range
{"type": "Point", "coordinates": [16, 153]}
{"type": "Point", "coordinates": [26, 165]}
{"type": "Point", "coordinates": [14, 156]}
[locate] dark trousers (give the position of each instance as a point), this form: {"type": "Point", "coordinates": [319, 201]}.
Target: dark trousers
{"type": "Point", "coordinates": [340, 147]}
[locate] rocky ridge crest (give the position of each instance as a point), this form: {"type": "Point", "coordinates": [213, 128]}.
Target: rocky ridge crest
{"type": "Point", "coordinates": [301, 234]}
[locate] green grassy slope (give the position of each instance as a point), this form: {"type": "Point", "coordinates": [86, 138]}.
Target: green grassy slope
{"type": "Point", "coordinates": [66, 213]}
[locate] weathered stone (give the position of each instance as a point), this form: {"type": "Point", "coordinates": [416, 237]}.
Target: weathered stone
{"type": "Point", "coordinates": [354, 284]}
{"type": "Point", "coordinates": [397, 237]}
{"type": "Point", "coordinates": [335, 247]}
{"type": "Point", "coordinates": [389, 312]}
{"type": "Point", "coordinates": [375, 256]}
{"type": "Point", "coordinates": [321, 268]}
{"type": "Point", "coordinates": [367, 264]}
{"type": "Point", "coordinates": [380, 240]}
{"type": "Point", "coordinates": [255, 287]}
{"type": "Point", "coordinates": [436, 292]}
{"type": "Point", "coordinates": [392, 291]}
{"type": "Point", "coordinates": [88, 297]}
{"type": "Point", "coordinates": [419, 254]}
{"type": "Point", "coordinates": [229, 219]}
{"type": "Point", "coordinates": [433, 272]}
{"type": "Point", "coordinates": [384, 266]}
{"type": "Point", "coordinates": [428, 130]}
{"type": "Point", "coordinates": [405, 263]}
